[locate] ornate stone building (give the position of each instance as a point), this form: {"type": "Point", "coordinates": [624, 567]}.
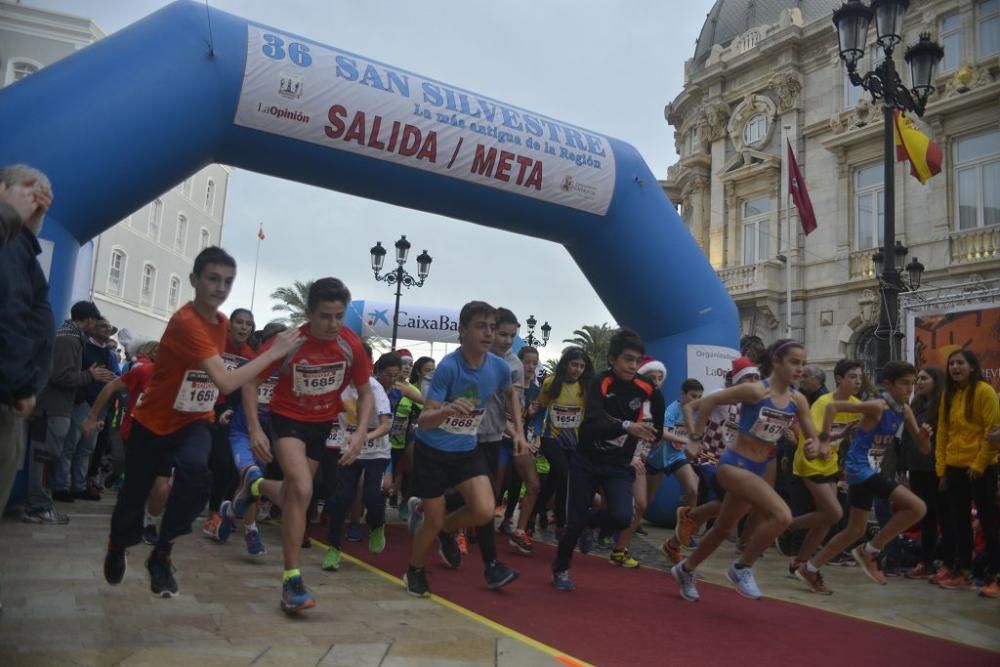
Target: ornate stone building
{"type": "Point", "coordinates": [766, 70]}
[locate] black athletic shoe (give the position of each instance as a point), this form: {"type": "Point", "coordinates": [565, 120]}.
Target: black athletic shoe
{"type": "Point", "coordinates": [115, 565]}
{"type": "Point", "coordinates": [499, 575]}
{"type": "Point", "coordinates": [448, 548]}
{"type": "Point", "coordinates": [161, 575]}
{"type": "Point", "coordinates": [149, 534]}
{"type": "Point", "coordinates": [416, 582]}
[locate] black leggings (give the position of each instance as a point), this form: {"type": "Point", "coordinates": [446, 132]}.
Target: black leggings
{"type": "Point", "coordinates": [555, 482]}
{"type": "Point", "coordinates": [925, 485]}
{"type": "Point", "coordinates": [962, 492]}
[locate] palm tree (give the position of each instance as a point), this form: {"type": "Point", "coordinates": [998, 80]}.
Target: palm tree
{"type": "Point", "coordinates": [292, 300]}
{"type": "Point", "coordinates": [595, 341]}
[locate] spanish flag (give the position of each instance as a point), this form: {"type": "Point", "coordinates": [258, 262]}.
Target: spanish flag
{"type": "Point", "coordinates": [913, 145]}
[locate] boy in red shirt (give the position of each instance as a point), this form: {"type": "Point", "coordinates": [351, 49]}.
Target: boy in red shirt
{"type": "Point", "coordinates": [173, 421]}
{"type": "Point", "coordinates": [305, 403]}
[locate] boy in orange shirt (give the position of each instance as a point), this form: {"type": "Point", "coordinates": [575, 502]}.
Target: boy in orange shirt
{"type": "Point", "coordinates": [175, 416]}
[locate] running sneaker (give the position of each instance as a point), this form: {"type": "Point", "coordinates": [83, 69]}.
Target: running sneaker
{"type": "Point", "coordinates": [376, 540]}
{"type": "Point", "coordinates": [149, 534]}
{"type": "Point", "coordinates": [686, 580]}
{"type": "Point", "coordinates": [586, 541]}
{"type": "Point", "coordinates": [684, 528]}
{"type": "Point", "coordinates": [641, 531]}
{"type": "Point", "coordinates": [843, 559]}
{"type": "Point", "coordinates": [793, 566]}
{"type": "Point", "coordinates": [161, 575]}
{"type": "Point", "coordinates": [115, 565]}
{"type": "Point", "coordinates": [520, 541]}
{"type": "Point", "coordinates": [244, 494]}
{"type": "Point", "coordinates": [255, 545]}
{"type": "Point", "coordinates": [990, 590]}
{"type": "Point", "coordinates": [211, 526]}
{"type": "Point", "coordinates": [331, 561]}
{"type": "Point", "coordinates": [939, 576]}
{"type": "Point", "coordinates": [227, 522]}
{"type": "Point", "coordinates": [690, 546]}
{"type": "Point", "coordinates": [623, 558]}
{"type": "Point", "coordinates": [463, 544]}
{"type": "Point", "coordinates": [416, 584]}
{"type": "Point", "coordinates": [742, 579]}
{"type": "Point", "coordinates": [814, 580]}
{"type": "Point", "coordinates": [506, 527]}
{"type": "Point", "coordinates": [499, 575]}
{"type": "Point", "coordinates": [957, 582]}
{"type": "Point", "coordinates": [448, 549]}
{"type": "Point", "coordinates": [562, 582]}
{"type": "Point", "coordinates": [416, 515]}
{"type": "Point", "coordinates": [295, 597]}
{"type": "Point", "coordinates": [49, 516]}
{"type": "Point", "coordinates": [921, 571]}
{"type": "Point", "coordinates": [672, 550]}
{"type": "Point", "coordinates": [354, 532]}
{"type": "Point", "coordinates": [869, 563]}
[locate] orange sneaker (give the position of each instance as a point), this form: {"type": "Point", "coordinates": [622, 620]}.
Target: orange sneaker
{"type": "Point", "coordinates": [211, 526]}
{"type": "Point", "coordinates": [685, 526]}
{"type": "Point", "coordinates": [958, 582]}
{"type": "Point", "coordinates": [868, 563]}
{"type": "Point", "coordinates": [990, 590]}
{"type": "Point", "coordinates": [672, 550]}
{"type": "Point", "coordinates": [921, 571]}
{"type": "Point", "coordinates": [463, 546]}
{"type": "Point", "coordinates": [939, 576]}
{"type": "Point", "coordinates": [814, 580]}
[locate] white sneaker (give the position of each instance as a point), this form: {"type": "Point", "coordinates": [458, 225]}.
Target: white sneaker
{"type": "Point", "coordinates": [689, 591]}
{"type": "Point", "coordinates": [49, 516]}
{"type": "Point", "coordinates": [743, 581]}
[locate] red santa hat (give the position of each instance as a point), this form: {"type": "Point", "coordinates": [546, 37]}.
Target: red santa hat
{"type": "Point", "coordinates": [648, 364]}
{"type": "Point", "coordinates": [742, 367]}
{"type": "Point", "coordinates": [405, 354]}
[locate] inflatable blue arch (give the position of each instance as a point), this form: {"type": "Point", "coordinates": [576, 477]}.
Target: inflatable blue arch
{"type": "Point", "coordinates": [136, 113]}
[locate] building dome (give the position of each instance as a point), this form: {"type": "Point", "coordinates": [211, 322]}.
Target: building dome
{"type": "Point", "coordinates": [730, 18]}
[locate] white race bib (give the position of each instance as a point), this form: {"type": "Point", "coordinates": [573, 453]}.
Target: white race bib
{"type": "Point", "coordinates": [197, 393]}
{"type": "Point", "coordinates": [680, 430]}
{"type": "Point", "coordinates": [399, 425]}
{"type": "Point", "coordinates": [565, 416]}
{"type": "Point", "coordinates": [464, 424]}
{"type": "Point", "coordinates": [771, 424]}
{"type": "Point", "coordinates": [265, 391]}
{"type": "Point", "coordinates": [875, 458]}
{"type": "Point", "coordinates": [231, 361]}
{"type": "Point", "coordinates": [317, 380]}
{"type": "Point", "coordinates": [338, 436]}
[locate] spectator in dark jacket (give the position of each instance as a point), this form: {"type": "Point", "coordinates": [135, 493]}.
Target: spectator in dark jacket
{"type": "Point", "coordinates": [51, 439]}
{"type": "Point", "coordinates": [26, 328]}
{"type": "Point", "coordinates": [101, 351]}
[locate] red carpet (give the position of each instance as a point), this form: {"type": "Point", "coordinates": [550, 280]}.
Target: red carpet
{"type": "Point", "coordinates": [636, 617]}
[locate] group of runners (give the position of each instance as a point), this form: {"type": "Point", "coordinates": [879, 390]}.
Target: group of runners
{"type": "Point", "coordinates": [213, 420]}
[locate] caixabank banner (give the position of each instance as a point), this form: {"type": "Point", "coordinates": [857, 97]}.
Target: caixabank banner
{"type": "Point", "coordinates": [936, 335]}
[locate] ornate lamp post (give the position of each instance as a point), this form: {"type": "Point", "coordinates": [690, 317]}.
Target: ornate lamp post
{"type": "Point", "coordinates": [883, 83]}
{"type": "Point", "coordinates": [399, 276]}
{"type": "Point", "coordinates": [530, 338]}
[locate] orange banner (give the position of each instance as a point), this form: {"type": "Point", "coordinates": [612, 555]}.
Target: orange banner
{"type": "Point", "coordinates": [937, 336]}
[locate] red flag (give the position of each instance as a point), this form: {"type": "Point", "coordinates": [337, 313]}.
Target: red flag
{"type": "Point", "coordinates": [797, 188]}
{"type": "Point", "coordinates": [260, 232]}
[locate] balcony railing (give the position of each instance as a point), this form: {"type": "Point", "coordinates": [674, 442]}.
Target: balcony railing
{"type": "Point", "coordinates": [975, 245]}
{"type": "Point", "coordinates": [740, 280]}
{"type": "Point", "coordinates": [861, 265]}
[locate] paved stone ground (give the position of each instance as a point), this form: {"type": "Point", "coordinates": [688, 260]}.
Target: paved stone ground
{"type": "Point", "coordinates": [57, 609]}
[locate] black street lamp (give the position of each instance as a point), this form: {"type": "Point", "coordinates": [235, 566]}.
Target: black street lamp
{"type": "Point", "coordinates": [399, 276]}
{"type": "Point", "coordinates": [883, 83]}
{"type": "Point", "coordinates": [530, 338]}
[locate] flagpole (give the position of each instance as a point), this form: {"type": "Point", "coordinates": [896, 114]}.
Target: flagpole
{"type": "Point", "coordinates": [788, 254]}
{"type": "Point", "coordinates": [253, 288]}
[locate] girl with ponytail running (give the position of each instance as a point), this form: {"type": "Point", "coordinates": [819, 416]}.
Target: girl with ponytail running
{"type": "Point", "coordinates": [767, 410]}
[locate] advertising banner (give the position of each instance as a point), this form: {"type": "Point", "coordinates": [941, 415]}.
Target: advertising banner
{"type": "Point", "coordinates": [307, 91]}
{"type": "Point", "coordinates": [708, 364]}
{"type": "Point", "coordinates": [374, 318]}
{"type": "Point", "coordinates": [936, 335]}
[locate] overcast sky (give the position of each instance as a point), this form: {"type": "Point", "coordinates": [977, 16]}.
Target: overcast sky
{"type": "Point", "coordinates": [607, 66]}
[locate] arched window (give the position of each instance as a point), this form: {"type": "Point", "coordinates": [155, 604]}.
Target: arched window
{"type": "Point", "coordinates": [155, 219]}
{"type": "Point", "coordinates": [180, 238]}
{"type": "Point", "coordinates": [210, 196]}
{"type": "Point", "coordinates": [148, 288]}
{"type": "Point", "coordinates": [116, 272]}
{"type": "Point", "coordinates": [174, 294]}
{"type": "Point", "coordinates": [18, 68]}
{"type": "Point", "coordinates": [755, 131]}
{"type": "Point", "coordinates": [204, 240]}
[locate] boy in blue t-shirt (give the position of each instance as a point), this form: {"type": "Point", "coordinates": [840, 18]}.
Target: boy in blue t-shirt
{"type": "Point", "coordinates": [445, 453]}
